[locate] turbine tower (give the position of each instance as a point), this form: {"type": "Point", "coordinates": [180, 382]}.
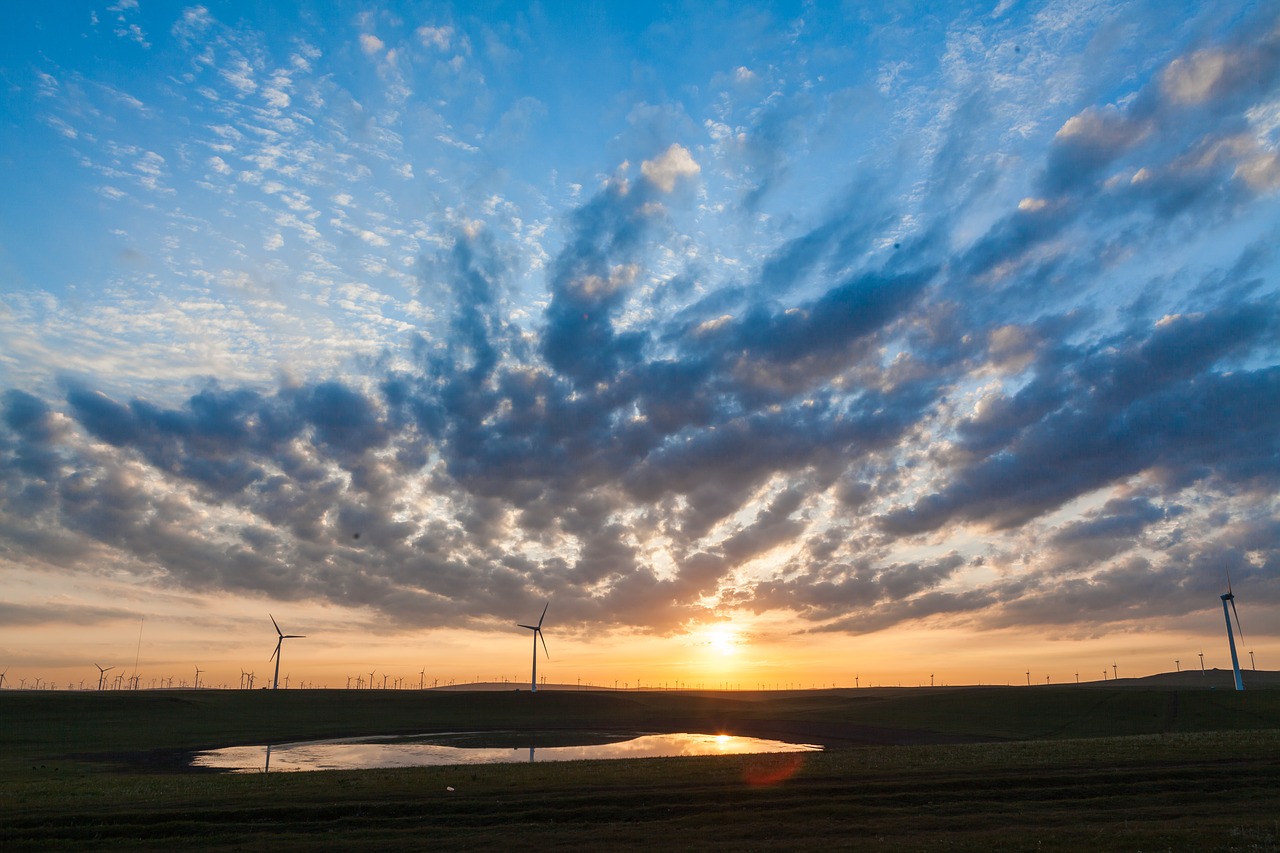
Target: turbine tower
{"type": "Point", "coordinates": [275, 682]}
{"type": "Point", "coordinates": [537, 634]}
{"type": "Point", "coordinates": [1229, 596]}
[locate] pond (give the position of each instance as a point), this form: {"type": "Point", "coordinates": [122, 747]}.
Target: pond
{"type": "Point", "coordinates": [444, 748]}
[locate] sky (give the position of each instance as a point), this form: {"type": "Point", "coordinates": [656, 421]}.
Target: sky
{"type": "Point", "coordinates": [761, 343]}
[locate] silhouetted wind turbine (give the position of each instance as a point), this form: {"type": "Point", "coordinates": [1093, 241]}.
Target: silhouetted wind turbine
{"type": "Point", "coordinates": [275, 682]}
{"type": "Point", "coordinates": [2, 675]}
{"type": "Point", "coordinates": [1231, 639]}
{"type": "Point", "coordinates": [537, 634]}
{"type": "Point", "coordinates": [197, 684]}
{"type": "Point", "coordinates": [102, 676]}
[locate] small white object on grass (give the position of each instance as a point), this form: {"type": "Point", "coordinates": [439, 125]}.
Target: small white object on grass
{"type": "Point", "coordinates": [448, 788]}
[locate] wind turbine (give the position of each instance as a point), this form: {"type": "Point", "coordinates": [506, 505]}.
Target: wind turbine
{"type": "Point", "coordinates": [2, 675]}
{"type": "Point", "coordinates": [275, 682]}
{"type": "Point", "coordinates": [198, 671]}
{"type": "Point", "coordinates": [102, 676]}
{"type": "Point", "coordinates": [1229, 596]}
{"type": "Point", "coordinates": [537, 634]}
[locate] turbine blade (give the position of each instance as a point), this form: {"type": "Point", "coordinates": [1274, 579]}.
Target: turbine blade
{"type": "Point", "coordinates": [530, 627]}
{"type": "Point", "coordinates": [292, 636]}
{"type": "Point", "coordinates": [544, 644]}
{"type": "Point", "coordinates": [273, 622]}
{"type": "Point", "coordinates": [544, 614]}
{"type": "Point", "coordinates": [1228, 571]}
{"type": "Point", "coordinates": [276, 652]}
{"type": "Point", "coordinates": [1237, 615]}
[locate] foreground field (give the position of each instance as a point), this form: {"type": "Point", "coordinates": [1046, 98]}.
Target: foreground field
{"type": "Point", "coordinates": [963, 769]}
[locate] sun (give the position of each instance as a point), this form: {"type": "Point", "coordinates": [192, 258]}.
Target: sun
{"type": "Point", "coordinates": [723, 639]}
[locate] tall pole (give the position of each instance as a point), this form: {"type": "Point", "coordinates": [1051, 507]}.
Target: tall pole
{"type": "Point", "coordinates": [1231, 638]}
{"type": "Point", "coordinates": [533, 683]}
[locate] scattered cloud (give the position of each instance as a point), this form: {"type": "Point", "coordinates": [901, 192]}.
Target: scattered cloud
{"type": "Point", "coordinates": [999, 362]}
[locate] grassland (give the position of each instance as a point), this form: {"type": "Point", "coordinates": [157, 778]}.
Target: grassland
{"type": "Point", "coordinates": [1047, 768]}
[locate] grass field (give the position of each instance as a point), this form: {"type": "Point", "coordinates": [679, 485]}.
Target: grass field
{"type": "Point", "coordinates": [1045, 768]}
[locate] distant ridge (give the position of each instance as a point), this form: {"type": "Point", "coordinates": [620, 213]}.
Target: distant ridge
{"type": "Point", "coordinates": [1217, 679]}
{"type": "Point", "coordinates": [1210, 679]}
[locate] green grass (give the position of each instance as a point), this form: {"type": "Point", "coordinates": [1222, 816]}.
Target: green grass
{"type": "Point", "coordinates": [1060, 769]}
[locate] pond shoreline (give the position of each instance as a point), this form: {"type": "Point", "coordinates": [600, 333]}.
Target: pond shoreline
{"type": "Point", "coordinates": [832, 735]}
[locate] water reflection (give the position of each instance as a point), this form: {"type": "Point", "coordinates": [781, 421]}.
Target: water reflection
{"type": "Point", "coordinates": [478, 748]}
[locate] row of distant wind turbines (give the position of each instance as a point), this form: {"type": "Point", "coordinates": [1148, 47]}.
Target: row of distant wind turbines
{"type": "Point", "coordinates": [281, 636]}
{"type": "Point", "coordinates": [1228, 599]}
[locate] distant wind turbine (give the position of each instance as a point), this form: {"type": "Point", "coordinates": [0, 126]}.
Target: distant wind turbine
{"type": "Point", "coordinates": [197, 684]}
{"type": "Point", "coordinates": [1229, 596]}
{"type": "Point", "coordinates": [275, 682]}
{"type": "Point", "coordinates": [102, 676]}
{"type": "Point", "coordinates": [537, 635]}
{"type": "Point", "coordinates": [2, 675]}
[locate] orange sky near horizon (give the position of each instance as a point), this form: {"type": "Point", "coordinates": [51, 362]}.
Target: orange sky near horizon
{"type": "Point", "coordinates": [741, 653]}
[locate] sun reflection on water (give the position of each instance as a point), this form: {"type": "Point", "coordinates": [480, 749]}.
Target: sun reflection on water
{"type": "Point", "coordinates": [439, 750]}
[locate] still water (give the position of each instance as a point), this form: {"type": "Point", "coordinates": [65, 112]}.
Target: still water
{"type": "Point", "coordinates": [477, 748]}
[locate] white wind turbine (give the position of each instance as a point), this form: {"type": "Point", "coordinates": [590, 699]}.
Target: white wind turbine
{"type": "Point", "coordinates": [1229, 596]}
{"type": "Point", "coordinates": [275, 682]}
{"type": "Point", "coordinates": [537, 635]}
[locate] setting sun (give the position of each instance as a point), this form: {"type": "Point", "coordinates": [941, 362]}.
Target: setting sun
{"type": "Point", "coordinates": [723, 639]}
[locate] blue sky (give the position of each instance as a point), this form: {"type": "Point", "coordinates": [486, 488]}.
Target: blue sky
{"type": "Point", "coordinates": [819, 321]}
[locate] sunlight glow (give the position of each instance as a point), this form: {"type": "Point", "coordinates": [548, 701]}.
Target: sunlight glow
{"type": "Point", "coordinates": [723, 639]}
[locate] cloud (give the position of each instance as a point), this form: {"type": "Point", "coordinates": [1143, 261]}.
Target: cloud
{"type": "Point", "coordinates": [437, 37]}
{"type": "Point", "coordinates": [674, 163]}
{"type": "Point", "coordinates": [1002, 372]}
{"type": "Point", "coordinates": [32, 615]}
